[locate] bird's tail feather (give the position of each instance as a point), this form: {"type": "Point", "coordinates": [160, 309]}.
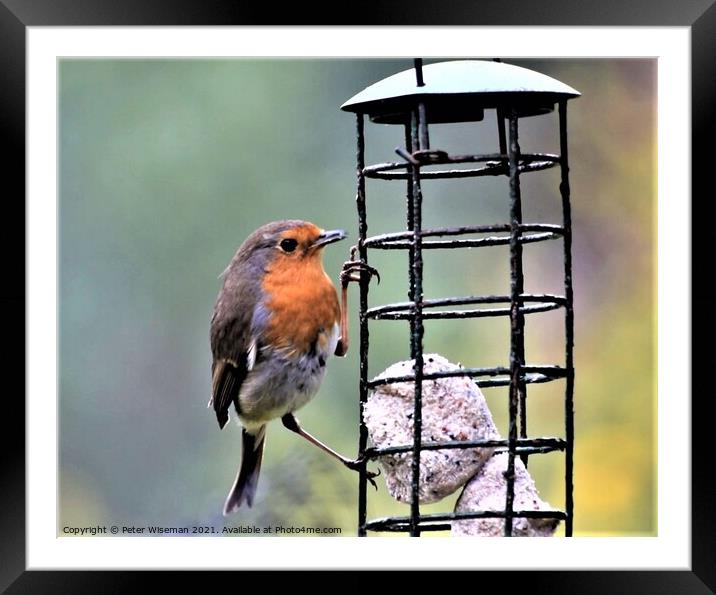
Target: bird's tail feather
{"type": "Point", "coordinates": [244, 486]}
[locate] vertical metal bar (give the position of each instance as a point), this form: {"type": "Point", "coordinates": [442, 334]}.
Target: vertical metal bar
{"type": "Point", "coordinates": [418, 64]}
{"type": "Point", "coordinates": [409, 219]}
{"type": "Point", "coordinates": [517, 345]}
{"type": "Point", "coordinates": [501, 131]}
{"type": "Point", "coordinates": [416, 329]}
{"type": "Point", "coordinates": [568, 322]}
{"type": "Point", "coordinates": [521, 386]}
{"type": "Point", "coordinates": [423, 127]}
{"type": "Point", "coordinates": [363, 322]}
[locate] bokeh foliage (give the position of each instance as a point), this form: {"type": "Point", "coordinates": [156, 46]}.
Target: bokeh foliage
{"type": "Point", "coordinates": [167, 165]}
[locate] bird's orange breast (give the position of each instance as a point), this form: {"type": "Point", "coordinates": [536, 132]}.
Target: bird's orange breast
{"type": "Point", "coordinates": [302, 301]}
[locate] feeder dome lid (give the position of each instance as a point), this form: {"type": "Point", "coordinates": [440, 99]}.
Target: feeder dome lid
{"type": "Point", "coordinates": [459, 91]}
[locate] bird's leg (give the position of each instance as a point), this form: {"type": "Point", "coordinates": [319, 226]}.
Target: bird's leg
{"type": "Point", "coordinates": [351, 272]}
{"type": "Point", "coordinates": [291, 423]}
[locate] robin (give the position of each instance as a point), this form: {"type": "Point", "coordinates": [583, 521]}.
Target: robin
{"type": "Point", "coordinates": [276, 321]}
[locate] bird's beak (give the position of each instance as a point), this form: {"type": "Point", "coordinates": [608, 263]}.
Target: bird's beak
{"type": "Point", "coordinates": [328, 237]}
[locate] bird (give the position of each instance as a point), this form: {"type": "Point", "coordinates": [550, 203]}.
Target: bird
{"type": "Point", "coordinates": [276, 321]}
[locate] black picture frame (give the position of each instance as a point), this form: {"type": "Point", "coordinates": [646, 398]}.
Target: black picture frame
{"type": "Point", "coordinates": [17, 15]}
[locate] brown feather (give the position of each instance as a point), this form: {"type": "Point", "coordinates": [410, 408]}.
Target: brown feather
{"type": "Point", "coordinates": [226, 384]}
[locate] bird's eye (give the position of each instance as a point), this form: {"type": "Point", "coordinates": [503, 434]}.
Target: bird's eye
{"type": "Point", "coordinates": [288, 245]}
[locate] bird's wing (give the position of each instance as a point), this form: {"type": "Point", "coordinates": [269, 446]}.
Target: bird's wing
{"type": "Point", "coordinates": [226, 384]}
{"type": "Point", "coordinates": [234, 352]}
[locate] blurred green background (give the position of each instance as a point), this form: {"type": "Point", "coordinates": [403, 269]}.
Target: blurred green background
{"type": "Point", "coordinates": [167, 165]}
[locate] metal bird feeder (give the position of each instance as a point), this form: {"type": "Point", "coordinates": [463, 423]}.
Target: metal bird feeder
{"type": "Point", "coordinates": [461, 91]}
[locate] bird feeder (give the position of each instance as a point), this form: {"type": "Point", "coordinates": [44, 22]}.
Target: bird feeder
{"type": "Point", "coordinates": [460, 92]}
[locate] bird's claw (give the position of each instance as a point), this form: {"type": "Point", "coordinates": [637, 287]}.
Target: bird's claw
{"type": "Point", "coordinates": [370, 476]}
{"type": "Point", "coordinates": [351, 272]}
{"type": "Point", "coordinates": [358, 464]}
